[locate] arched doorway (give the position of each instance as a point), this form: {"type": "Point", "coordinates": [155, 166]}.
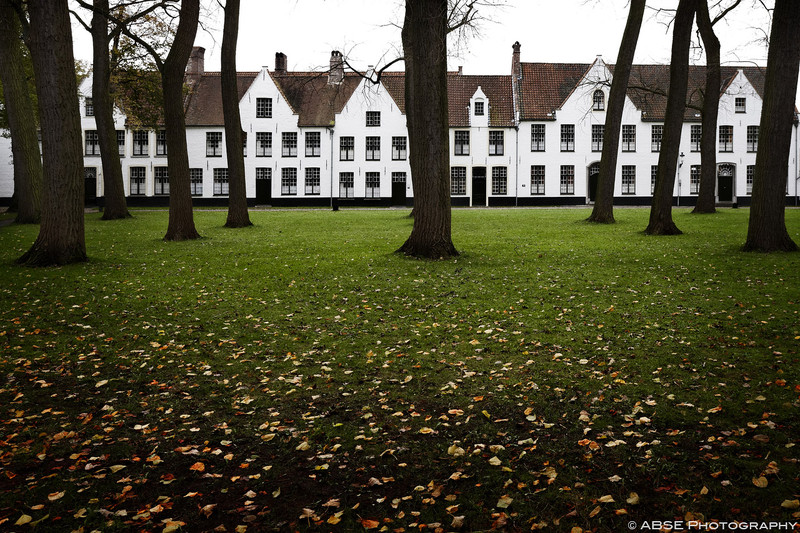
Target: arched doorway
{"type": "Point", "coordinates": [726, 172]}
{"type": "Point", "coordinates": [593, 175]}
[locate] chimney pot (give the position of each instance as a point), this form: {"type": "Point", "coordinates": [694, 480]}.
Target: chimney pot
{"type": "Point", "coordinates": [516, 66]}
{"type": "Point", "coordinates": [196, 64]}
{"type": "Point", "coordinates": [280, 63]}
{"type": "Point", "coordinates": [336, 71]}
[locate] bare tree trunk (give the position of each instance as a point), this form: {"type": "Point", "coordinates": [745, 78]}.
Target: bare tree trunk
{"type": "Point", "coordinates": [61, 234]}
{"type": "Point", "coordinates": [21, 118]}
{"type": "Point", "coordinates": [706, 198]}
{"type": "Point", "coordinates": [603, 210]}
{"type": "Point", "coordinates": [113, 186]}
{"type": "Point", "coordinates": [238, 216]}
{"type": "Point", "coordinates": [661, 211]}
{"type": "Point", "coordinates": [766, 231]}
{"type": "Point", "coordinates": [181, 218]}
{"type": "Point", "coordinates": [425, 49]}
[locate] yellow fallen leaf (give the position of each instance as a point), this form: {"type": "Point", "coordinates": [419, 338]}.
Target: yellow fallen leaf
{"type": "Point", "coordinates": [426, 431]}
{"type": "Point", "coordinates": [595, 512]}
{"type": "Point", "coordinates": [456, 451]}
{"type": "Point", "coordinates": [24, 519]}
{"type": "Point", "coordinates": [504, 502]}
{"type": "Point", "coordinates": [117, 468]}
{"type": "Point", "coordinates": [760, 482]}
{"type": "Point", "coordinates": [101, 383]}
{"type": "Point", "coordinates": [172, 526]}
{"type": "Point", "coordinates": [606, 499]}
{"type": "Point", "coordinates": [790, 504]}
{"type": "Point", "coordinates": [494, 461]}
{"type": "Point", "coordinates": [303, 446]}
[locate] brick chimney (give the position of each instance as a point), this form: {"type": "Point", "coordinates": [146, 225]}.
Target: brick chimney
{"type": "Point", "coordinates": [280, 63]}
{"type": "Point", "coordinates": [196, 64]}
{"type": "Point", "coordinates": [516, 68]}
{"type": "Point", "coordinates": [336, 72]}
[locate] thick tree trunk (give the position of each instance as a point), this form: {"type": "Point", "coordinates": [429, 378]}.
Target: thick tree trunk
{"type": "Point", "coordinates": [425, 49]}
{"type": "Point", "coordinates": [706, 198]}
{"type": "Point", "coordinates": [181, 218]}
{"type": "Point", "coordinates": [61, 235]}
{"type": "Point", "coordinates": [21, 118]}
{"type": "Point", "coordinates": [766, 231]}
{"type": "Point", "coordinates": [661, 211]}
{"type": "Point", "coordinates": [113, 186]}
{"type": "Point", "coordinates": [238, 216]}
{"type": "Point", "coordinates": [603, 210]}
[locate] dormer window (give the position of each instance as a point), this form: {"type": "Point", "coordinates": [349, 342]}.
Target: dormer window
{"type": "Point", "coordinates": [479, 108]}
{"type": "Point", "coordinates": [598, 101]}
{"type": "Point", "coordinates": [740, 105]}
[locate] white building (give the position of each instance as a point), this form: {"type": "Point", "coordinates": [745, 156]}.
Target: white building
{"type": "Point", "coordinates": [533, 137]}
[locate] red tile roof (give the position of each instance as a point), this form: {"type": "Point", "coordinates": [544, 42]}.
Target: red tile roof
{"type": "Point", "coordinates": [460, 88]}
{"type": "Point", "coordinates": [312, 98]}
{"type": "Point", "coordinates": [649, 85]}
{"type": "Point", "coordinates": [204, 100]}
{"type": "Point", "coordinates": [545, 87]}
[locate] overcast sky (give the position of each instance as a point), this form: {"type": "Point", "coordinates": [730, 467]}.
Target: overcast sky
{"type": "Point", "coordinates": [367, 32]}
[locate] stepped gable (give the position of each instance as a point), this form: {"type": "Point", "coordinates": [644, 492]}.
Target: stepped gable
{"type": "Point", "coordinates": [313, 98]}
{"type": "Point", "coordinates": [460, 89]}
{"type": "Point", "coordinates": [204, 99]}
{"type": "Point", "coordinates": [545, 87]}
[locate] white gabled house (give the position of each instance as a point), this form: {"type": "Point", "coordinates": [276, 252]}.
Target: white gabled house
{"type": "Point", "coordinates": [531, 138]}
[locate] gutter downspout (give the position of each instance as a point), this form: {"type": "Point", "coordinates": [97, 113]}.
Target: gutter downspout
{"type": "Point", "coordinates": [330, 132]}
{"type": "Point", "coordinates": [796, 162]}
{"type": "Point", "coordinates": [516, 168]}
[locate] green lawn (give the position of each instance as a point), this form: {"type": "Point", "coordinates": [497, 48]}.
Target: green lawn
{"type": "Point", "coordinates": [298, 375]}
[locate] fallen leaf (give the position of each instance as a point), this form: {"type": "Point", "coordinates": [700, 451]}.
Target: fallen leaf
{"type": "Point", "coordinates": [206, 510]}
{"type": "Point", "coordinates": [369, 524]}
{"type": "Point", "coordinates": [606, 499]}
{"type": "Point", "coordinates": [198, 467]}
{"type": "Point", "coordinates": [790, 504]}
{"type": "Point", "coordinates": [760, 482]}
{"type": "Point", "coordinates": [24, 519]}
{"type": "Point", "coordinates": [504, 502]}
{"type": "Point", "coordinates": [55, 496]}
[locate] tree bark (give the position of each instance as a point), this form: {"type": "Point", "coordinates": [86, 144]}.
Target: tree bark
{"type": "Point", "coordinates": [706, 198]}
{"type": "Point", "coordinates": [238, 216]}
{"type": "Point", "coordinates": [181, 218]}
{"type": "Point", "coordinates": [766, 231]}
{"type": "Point", "coordinates": [424, 38]}
{"type": "Point", "coordinates": [21, 118]}
{"type": "Point", "coordinates": [603, 211]}
{"type": "Point", "coordinates": [113, 186]}
{"type": "Point", "coordinates": [661, 222]}
{"type": "Point", "coordinates": [61, 234]}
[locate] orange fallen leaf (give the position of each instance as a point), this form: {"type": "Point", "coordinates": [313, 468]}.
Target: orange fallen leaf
{"type": "Point", "coordinates": [369, 524]}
